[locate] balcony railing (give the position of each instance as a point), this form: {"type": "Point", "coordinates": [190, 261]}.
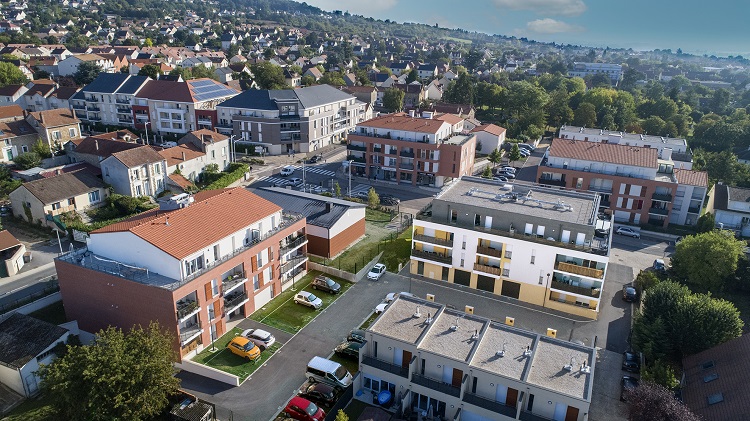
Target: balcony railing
{"type": "Point", "coordinates": [292, 263]}
{"type": "Point", "coordinates": [662, 197]}
{"type": "Point", "coordinates": [579, 270]}
{"type": "Point", "coordinates": [356, 148]}
{"type": "Point", "coordinates": [551, 182]}
{"type": "Point", "coordinates": [406, 166]}
{"type": "Point", "coordinates": [385, 366]}
{"type": "Point", "coordinates": [377, 150]}
{"type": "Point", "coordinates": [356, 159]}
{"type": "Point", "coordinates": [606, 190]}
{"type": "Point", "coordinates": [434, 240]}
{"type": "Point", "coordinates": [233, 280]}
{"type": "Point", "coordinates": [489, 251]}
{"type": "Point", "coordinates": [231, 303]}
{"type": "Point", "coordinates": [93, 108]}
{"type": "Point", "coordinates": [125, 120]}
{"type": "Point", "coordinates": [492, 270]}
{"type": "Point", "coordinates": [189, 332]}
{"type": "Point", "coordinates": [436, 385]}
{"type": "Point", "coordinates": [392, 152]}
{"type": "Point", "coordinates": [490, 404]}
{"type": "Point", "coordinates": [62, 209]}
{"type": "Point", "coordinates": [122, 101]}
{"type": "Point", "coordinates": [407, 154]}
{"type": "Point", "coordinates": [186, 308]}
{"type": "Point", "coordinates": [123, 110]}
{"type": "Point", "coordinates": [694, 210]}
{"type": "Point", "coordinates": [589, 292]}
{"type": "Point", "coordinates": [293, 245]}
{"type": "Point", "coordinates": [94, 118]}
{"type": "Point", "coordinates": [79, 107]}
{"type": "Point", "coordinates": [436, 257]}
{"type": "Point", "coordinates": [658, 211]}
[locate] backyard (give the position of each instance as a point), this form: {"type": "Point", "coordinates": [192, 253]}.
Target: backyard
{"type": "Point", "coordinates": [224, 360]}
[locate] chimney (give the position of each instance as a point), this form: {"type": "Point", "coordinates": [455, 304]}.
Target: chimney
{"type": "Point", "coordinates": [666, 154]}
{"type": "Point", "coordinates": [166, 222]}
{"type": "Point", "coordinates": [411, 113]}
{"type": "Point", "coordinates": [328, 207]}
{"type": "Point", "coordinates": [183, 156]}
{"type": "Point", "coordinates": [41, 116]}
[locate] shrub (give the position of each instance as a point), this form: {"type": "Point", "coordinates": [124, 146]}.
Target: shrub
{"type": "Point", "coordinates": [235, 171]}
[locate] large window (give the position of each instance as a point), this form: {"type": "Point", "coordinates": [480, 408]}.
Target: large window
{"type": "Point", "coordinates": [192, 266]}
{"type": "Point", "coordinates": [94, 196]}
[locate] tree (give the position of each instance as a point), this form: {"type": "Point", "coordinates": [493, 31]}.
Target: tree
{"type": "Point", "coordinates": [151, 70]}
{"type": "Point", "coordinates": [660, 373]}
{"type": "Point", "coordinates": [337, 189]}
{"type": "Point", "coordinates": [707, 260]}
{"type": "Point", "coordinates": [706, 222]}
{"type": "Point", "coordinates": [487, 172]}
{"type": "Point", "coordinates": [645, 280]}
{"type": "Point", "coordinates": [515, 153]}
{"type": "Point", "coordinates": [119, 376]}
{"type": "Point", "coordinates": [473, 59]}
{"type": "Point", "coordinates": [86, 73]}
{"type": "Point", "coordinates": [28, 160]}
{"type": "Point", "coordinates": [268, 76]}
{"type": "Point", "coordinates": [200, 71]}
{"type": "Point", "coordinates": [10, 74]}
{"type": "Point", "coordinates": [373, 199]}
{"type": "Point", "coordinates": [211, 169]}
{"type": "Point", "coordinates": [41, 148]}
{"type": "Point", "coordinates": [495, 157]}
{"type": "Point", "coordinates": [393, 99]}
{"type": "Point", "coordinates": [653, 402]}
{"type": "Point", "coordinates": [307, 80]}
{"type": "Point", "coordinates": [460, 90]}
{"type": "Point", "coordinates": [558, 110]}
{"type": "Point", "coordinates": [341, 416]}
{"type": "Point", "coordinates": [332, 78]}
{"type": "Point", "coordinates": [585, 115]}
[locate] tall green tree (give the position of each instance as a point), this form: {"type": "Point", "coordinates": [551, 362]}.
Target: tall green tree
{"type": "Point", "coordinates": [487, 172]}
{"type": "Point", "coordinates": [558, 110]}
{"type": "Point", "coordinates": [373, 199]}
{"type": "Point", "coordinates": [10, 74]}
{"type": "Point", "coordinates": [268, 76]}
{"type": "Point", "coordinates": [120, 376]}
{"type": "Point", "coordinates": [393, 99]}
{"type": "Point", "coordinates": [653, 402]}
{"type": "Point", "coordinates": [514, 154]}
{"type": "Point", "coordinates": [708, 260]}
{"type": "Point", "coordinates": [28, 160]}
{"type": "Point", "coordinates": [460, 90]}
{"type": "Point", "coordinates": [86, 73]}
{"type": "Point", "coordinates": [495, 157]}
{"type": "Point", "coordinates": [151, 70]}
{"type": "Point", "coordinates": [585, 115]}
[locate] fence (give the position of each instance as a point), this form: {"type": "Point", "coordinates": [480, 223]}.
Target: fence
{"type": "Point", "coordinates": [343, 401]}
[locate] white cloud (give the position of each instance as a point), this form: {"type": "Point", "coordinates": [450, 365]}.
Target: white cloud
{"type": "Point", "coordinates": [551, 26]}
{"type": "Point", "coordinates": [547, 7]}
{"type": "Point", "coordinates": [357, 7]}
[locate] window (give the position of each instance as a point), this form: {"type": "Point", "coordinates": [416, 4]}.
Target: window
{"type": "Point", "coordinates": [508, 251]}
{"type": "Point", "coordinates": [211, 312]}
{"type": "Point", "coordinates": [56, 206]}
{"type": "Point", "coordinates": [506, 272]}
{"type": "Point", "coordinates": [224, 151]}
{"type": "Point", "coordinates": [24, 148]}
{"type": "Point", "coordinates": [214, 287]}
{"type": "Point", "coordinates": [533, 256]}
{"type": "Point", "coordinates": [94, 196]}
{"type": "Point", "coordinates": [260, 259]}
{"type": "Point", "coordinates": [256, 283]}
{"type": "Point", "coordinates": [72, 132]}
{"type": "Point", "coordinates": [192, 266]}
{"type": "Point", "coordinates": [56, 135]}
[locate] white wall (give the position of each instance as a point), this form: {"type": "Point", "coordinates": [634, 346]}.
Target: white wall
{"type": "Point", "coordinates": [350, 217]}
{"type": "Point", "coordinates": [128, 248]}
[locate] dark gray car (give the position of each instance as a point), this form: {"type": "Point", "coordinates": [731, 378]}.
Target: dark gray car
{"type": "Point", "coordinates": [326, 284]}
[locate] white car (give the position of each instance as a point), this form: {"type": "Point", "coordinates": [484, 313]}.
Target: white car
{"type": "Point", "coordinates": [392, 296]}
{"type": "Point", "coordinates": [376, 272]}
{"type": "Point", "coordinates": [508, 168]}
{"type": "Point", "coordinates": [308, 299]}
{"type": "Point", "coordinates": [380, 308]}
{"type": "Point", "coordinates": [630, 232]}
{"type": "Point", "coordinates": [259, 337]}
{"type": "Point", "coordinates": [294, 182]}
{"type": "Point", "coordinates": [287, 171]}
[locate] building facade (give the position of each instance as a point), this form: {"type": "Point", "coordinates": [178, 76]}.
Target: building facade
{"type": "Point", "coordinates": [108, 99]}
{"type": "Point", "coordinates": [612, 71]}
{"type": "Point", "coordinates": [410, 150]}
{"type": "Point", "coordinates": [731, 208]}
{"type": "Point", "coordinates": [189, 272]}
{"type": "Point", "coordinates": [135, 172]}
{"type": "Point", "coordinates": [522, 241]}
{"type": "Point", "coordinates": [55, 127]}
{"type": "Point", "coordinates": [441, 362]}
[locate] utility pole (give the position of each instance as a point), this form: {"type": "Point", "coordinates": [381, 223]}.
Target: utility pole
{"type": "Point", "coordinates": [350, 177]}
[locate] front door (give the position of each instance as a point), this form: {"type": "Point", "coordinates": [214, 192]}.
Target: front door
{"type": "Point", "coordinates": [572, 414]}
{"type": "Point", "coordinates": [457, 376]}
{"type": "Point", "coordinates": [512, 398]}
{"type": "Point", "coordinates": [406, 360]}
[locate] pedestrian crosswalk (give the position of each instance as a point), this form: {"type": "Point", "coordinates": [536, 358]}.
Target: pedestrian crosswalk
{"type": "Point", "coordinates": [358, 188]}
{"type": "Point", "coordinates": [316, 170]}
{"type": "Point", "coordinates": [274, 180]}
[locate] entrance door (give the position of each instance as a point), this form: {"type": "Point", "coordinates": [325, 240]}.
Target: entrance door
{"type": "Point", "coordinates": [511, 289]}
{"type": "Point", "coordinates": [406, 360]}
{"type": "Point", "coordinates": [457, 377]}
{"type": "Point", "coordinates": [572, 414]}
{"type": "Point", "coordinates": [565, 236]}
{"type": "Point", "coordinates": [512, 398]}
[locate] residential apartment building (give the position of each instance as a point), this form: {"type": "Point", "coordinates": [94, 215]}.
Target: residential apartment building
{"type": "Point", "coordinates": [637, 185]}
{"type": "Point", "coordinates": [135, 172]}
{"type": "Point", "coordinates": [440, 362]}
{"type": "Point", "coordinates": [523, 241]}
{"type": "Point", "coordinates": [192, 265]}
{"type": "Point", "coordinates": [171, 107]}
{"type": "Point", "coordinates": [410, 150]}
{"type": "Point", "coordinates": [291, 121]}
{"type": "Point", "coordinates": [108, 99]}
{"type": "Point", "coordinates": [680, 153]}
{"type": "Point", "coordinates": [613, 71]}
{"type": "Point", "coordinates": [731, 208]}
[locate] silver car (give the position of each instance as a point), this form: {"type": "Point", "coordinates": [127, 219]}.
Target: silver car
{"type": "Point", "coordinates": [259, 337]}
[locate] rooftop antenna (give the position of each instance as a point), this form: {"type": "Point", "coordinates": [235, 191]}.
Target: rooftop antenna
{"type": "Point", "coordinates": [501, 353]}
{"type": "Point", "coordinates": [569, 366]}
{"type": "Point", "coordinates": [455, 326]}
{"type": "Point", "coordinates": [475, 336]}
{"type": "Point", "coordinates": [429, 319]}
{"type": "Point", "coordinates": [585, 368]}
{"type": "Point", "coordinates": [417, 314]}
{"type": "Point", "coordinates": [527, 352]}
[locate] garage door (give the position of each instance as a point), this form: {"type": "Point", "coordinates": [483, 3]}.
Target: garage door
{"type": "Point", "coordinates": [511, 289]}
{"type": "Point", "coordinates": [263, 297]}
{"type": "Point", "coordinates": [461, 277]}
{"type": "Point", "coordinates": [486, 283]}
{"type": "Point", "coordinates": [470, 416]}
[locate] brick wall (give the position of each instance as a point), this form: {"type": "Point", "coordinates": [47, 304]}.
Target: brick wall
{"type": "Point", "coordinates": [346, 237]}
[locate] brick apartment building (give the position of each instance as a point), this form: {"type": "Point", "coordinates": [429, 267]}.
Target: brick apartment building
{"type": "Point", "coordinates": [191, 265]}
{"type": "Point", "coordinates": [411, 150]}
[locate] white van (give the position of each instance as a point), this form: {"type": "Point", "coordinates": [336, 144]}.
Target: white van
{"type": "Point", "coordinates": [330, 372]}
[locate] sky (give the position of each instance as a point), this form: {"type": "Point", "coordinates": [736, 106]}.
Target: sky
{"type": "Point", "coordinates": [717, 27]}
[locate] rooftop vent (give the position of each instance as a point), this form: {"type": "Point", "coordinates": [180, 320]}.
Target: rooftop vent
{"type": "Point", "coordinates": [501, 353]}
{"type": "Point", "coordinates": [475, 336]}
{"type": "Point", "coordinates": [455, 326]}
{"type": "Point", "coordinates": [417, 314]}
{"type": "Point", "coordinates": [527, 352]}
{"type": "Point", "coordinates": [569, 366]}
{"type": "Point", "coordinates": [428, 320]}
{"type": "Point", "coordinates": [585, 368]}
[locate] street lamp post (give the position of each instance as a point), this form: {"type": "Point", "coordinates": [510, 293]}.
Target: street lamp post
{"type": "Point", "coordinates": [232, 152]}
{"type": "Point", "coordinates": [350, 177]}
{"type": "Point", "coordinates": [145, 126]}
{"type": "Point", "coordinates": [546, 288]}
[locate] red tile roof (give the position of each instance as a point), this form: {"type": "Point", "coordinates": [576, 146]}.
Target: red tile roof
{"type": "Point", "coordinates": [180, 181]}
{"type": "Point", "coordinates": [180, 154]}
{"type": "Point", "coordinates": [489, 128]}
{"type": "Point", "coordinates": [135, 157]}
{"type": "Point", "coordinates": [605, 152]}
{"type": "Point", "coordinates": [55, 118]}
{"type": "Point", "coordinates": [451, 119]}
{"type": "Point", "coordinates": [214, 215]}
{"type": "Point", "coordinates": [7, 240]}
{"type": "Point", "coordinates": [691, 177]}
{"type": "Point", "coordinates": [11, 112]}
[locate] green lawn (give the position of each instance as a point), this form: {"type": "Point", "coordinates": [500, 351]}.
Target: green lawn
{"type": "Point", "coordinates": [397, 251]}
{"type": "Point", "coordinates": [225, 360]}
{"type": "Point", "coordinates": [351, 365]}
{"type": "Point", "coordinates": [369, 321]}
{"type": "Point", "coordinates": [283, 313]}
{"type": "Point", "coordinates": [53, 313]}
{"type": "Point", "coordinates": [376, 215]}
{"type": "Point", "coordinates": [34, 409]}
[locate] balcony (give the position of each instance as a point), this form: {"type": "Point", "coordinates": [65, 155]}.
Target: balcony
{"type": "Point", "coordinates": [231, 303]}
{"type": "Point", "coordinates": [292, 263]}
{"type": "Point", "coordinates": [94, 118]}
{"type": "Point", "coordinates": [294, 245]}
{"type": "Point", "coordinates": [489, 251]}
{"type": "Point", "coordinates": [407, 154]}
{"type": "Point", "coordinates": [409, 167]}
{"type": "Point", "coordinates": [79, 107]}
{"type": "Point", "coordinates": [436, 385]}
{"type": "Point", "coordinates": [529, 416]}
{"type": "Point", "coordinates": [189, 333]}
{"type": "Point", "coordinates": [658, 211]}
{"type": "Point", "coordinates": [62, 209]}
{"type": "Point", "coordinates": [695, 210]}
{"type": "Point", "coordinates": [377, 150]}
{"type": "Point", "coordinates": [232, 281]}
{"type": "Point", "coordinates": [392, 151]}
{"type": "Point", "coordinates": [122, 101]}
{"type": "Point", "coordinates": [580, 270]}
{"type": "Point", "coordinates": [551, 182]}
{"type": "Point", "coordinates": [386, 366]}
{"type": "Point", "coordinates": [435, 257]}
{"type": "Point", "coordinates": [662, 197]}
{"type": "Point", "coordinates": [93, 108]}
{"type": "Point", "coordinates": [490, 404]}
{"type": "Point", "coordinates": [356, 148]}
{"type": "Point", "coordinates": [186, 309]}
{"type": "Point", "coordinates": [588, 292]}
{"type": "Point", "coordinates": [434, 240]}
{"type": "Point", "coordinates": [605, 190]}
{"type": "Point", "coordinates": [356, 159]}
{"type": "Point", "coordinates": [202, 120]}
{"type": "Point", "coordinates": [492, 270]}
{"type": "Point", "coordinates": [125, 119]}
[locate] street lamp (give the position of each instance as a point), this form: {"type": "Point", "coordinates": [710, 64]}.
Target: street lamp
{"type": "Point", "coordinates": [145, 126]}
{"type": "Point", "coordinates": [546, 288]}
{"type": "Point", "coordinates": [350, 177]}
{"type": "Point", "coordinates": [232, 152]}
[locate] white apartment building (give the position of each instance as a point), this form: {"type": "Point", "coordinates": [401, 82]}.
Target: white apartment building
{"type": "Point", "coordinates": [538, 245]}
{"type": "Point", "coordinates": [108, 99]}
{"type": "Point", "coordinates": [441, 362]}
{"type": "Point", "coordinates": [613, 71]}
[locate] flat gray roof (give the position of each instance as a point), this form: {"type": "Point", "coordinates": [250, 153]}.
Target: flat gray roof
{"type": "Point", "coordinates": [398, 320]}
{"type": "Point", "coordinates": [443, 339]}
{"type": "Point", "coordinates": [524, 199]}
{"type": "Point", "coordinates": [633, 137]}
{"type": "Point", "coordinates": [458, 139]}
{"type": "Point", "coordinates": [547, 368]}
{"type": "Point", "coordinates": [498, 337]}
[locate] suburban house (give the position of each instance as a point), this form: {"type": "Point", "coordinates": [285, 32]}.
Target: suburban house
{"type": "Point", "coordinates": [452, 364]}
{"type": "Point", "coordinates": [189, 272]}
{"type": "Point", "coordinates": [489, 136]}
{"type": "Point", "coordinates": [638, 185]}
{"type": "Point", "coordinates": [366, 94]}
{"type": "Point", "coordinates": [69, 66]}
{"type": "Point", "coordinates": [333, 225]}
{"type": "Point", "coordinates": [730, 207]}
{"type": "Point", "coordinates": [714, 384]}
{"type": "Point", "coordinates": [139, 171]}
{"type": "Point", "coordinates": [11, 94]}
{"type": "Point", "coordinates": [25, 344]}
{"type": "Point", "coordinates": [94, 149]}
{"type": "Point", "coordinates": [38, 201]}
{"type": "Point", "coordinates": [410, 150]}
{"type": "Point", "coordinates": [427, 71]}
{"type": "Point", "coordinates": [55, 127]}
{"type": "Point", "coordinates": [17, 137]}
{"type": "Point", "coordinates": [523, 241]}
{"type": "Point", "coordinates": [215, 145]}
{"type": "Point", "coordinates": [291, 121]}
{"type": "Point", "coordinates": [108, 99]}
{"type": "Point", "coordinates": [11, 253]}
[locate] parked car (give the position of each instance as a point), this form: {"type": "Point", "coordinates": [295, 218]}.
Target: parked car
{"type": "Point", "coordinates": [5, 210]}
{"type": "Point", "coordinates": [392, 296]}
{"type": "Point", "coordinates": [294, 182]}
{"type": "Point", "coordinates": [316, 158]}
{"type": "Point", "coordinates": [361, 195]}
{"type": "Point", "coordinates": [659, 265]}
{"type": "Point", "coordinates": [630, 232]}
{"type": "Point", "coordinates": [303, 410]}
{"type": "Point", "coordinates": [356, 335]}
{"type": "Point", "coordinates": [506, 174]}
{"type": "Point", "coordinates": [500, 178]}
{"type": "Point", "coordinates": [380, 308]}
{"type": "Point", "coordinates": [308, 299]}
{"type": "Point", "coordinates": [287, 171]}
{"type": "Point", "coordinates": [524, 152]}
{"type": "Point", "coordinates": [627, 383]}
{"type": "Point", "coordinates": [376, 272]}
{"type": "Point", "coordinates": [526, 146]}
{"type": "Point", "coordinates": [508, 168]}
{"type": "Point", "coordinates": [241, 346]}
{"type": "Point", "coordinates": [326, 284]}
{"type": "Point", "coordinates": [349, 349]}
{"type": "Point", "coordinates": [389, 200]}
{"type": "Point", "coordinates": [631, 362]}
{"type": "Point", "coordinates": [629, 293]}
{"type": "Point", "coordinates": [259, 337]}
{"type": "Point", "coordinates": [319, 393]}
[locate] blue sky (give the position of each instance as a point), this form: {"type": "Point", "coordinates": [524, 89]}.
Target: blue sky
{"type": "Point", "coordinates": [716, 27]}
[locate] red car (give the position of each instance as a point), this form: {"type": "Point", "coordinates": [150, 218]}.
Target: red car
{"type": "Point", "coordinates": [304, 410]}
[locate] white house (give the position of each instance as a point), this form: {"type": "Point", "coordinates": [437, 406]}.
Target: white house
{"type": "Point", "coordinates": [69, 66]}
{"type": "Point", "coordinates": [490, 136]}
{"type": "Point", "coordinates": [731, 208]}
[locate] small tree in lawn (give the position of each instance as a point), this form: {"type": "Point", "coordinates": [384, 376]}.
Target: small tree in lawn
{"type": "Point", "coordinates": [41, 148]}
{"type": "Point", "coordinates": [487, 173]}
{"type": "Point", "coordinates": [373, 199]}
{"type": "Point", "coordinates": [653, 402]}
{"type": "Point", "coordinates": [337, 189]}
{"type": "Point", "coordinates": [211, 169]}
{"type": "Point", "coordinates": [28, 160]}
{"type": "Point", "coordinates": [341, 416]}
{"type": "Point", "coordinates": [515, 153]}
{"type": "Point", "coordinates": [495, 157]}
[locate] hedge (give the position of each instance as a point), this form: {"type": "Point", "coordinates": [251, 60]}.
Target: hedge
{"type": "Point", "coordinates": [235, 171]}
